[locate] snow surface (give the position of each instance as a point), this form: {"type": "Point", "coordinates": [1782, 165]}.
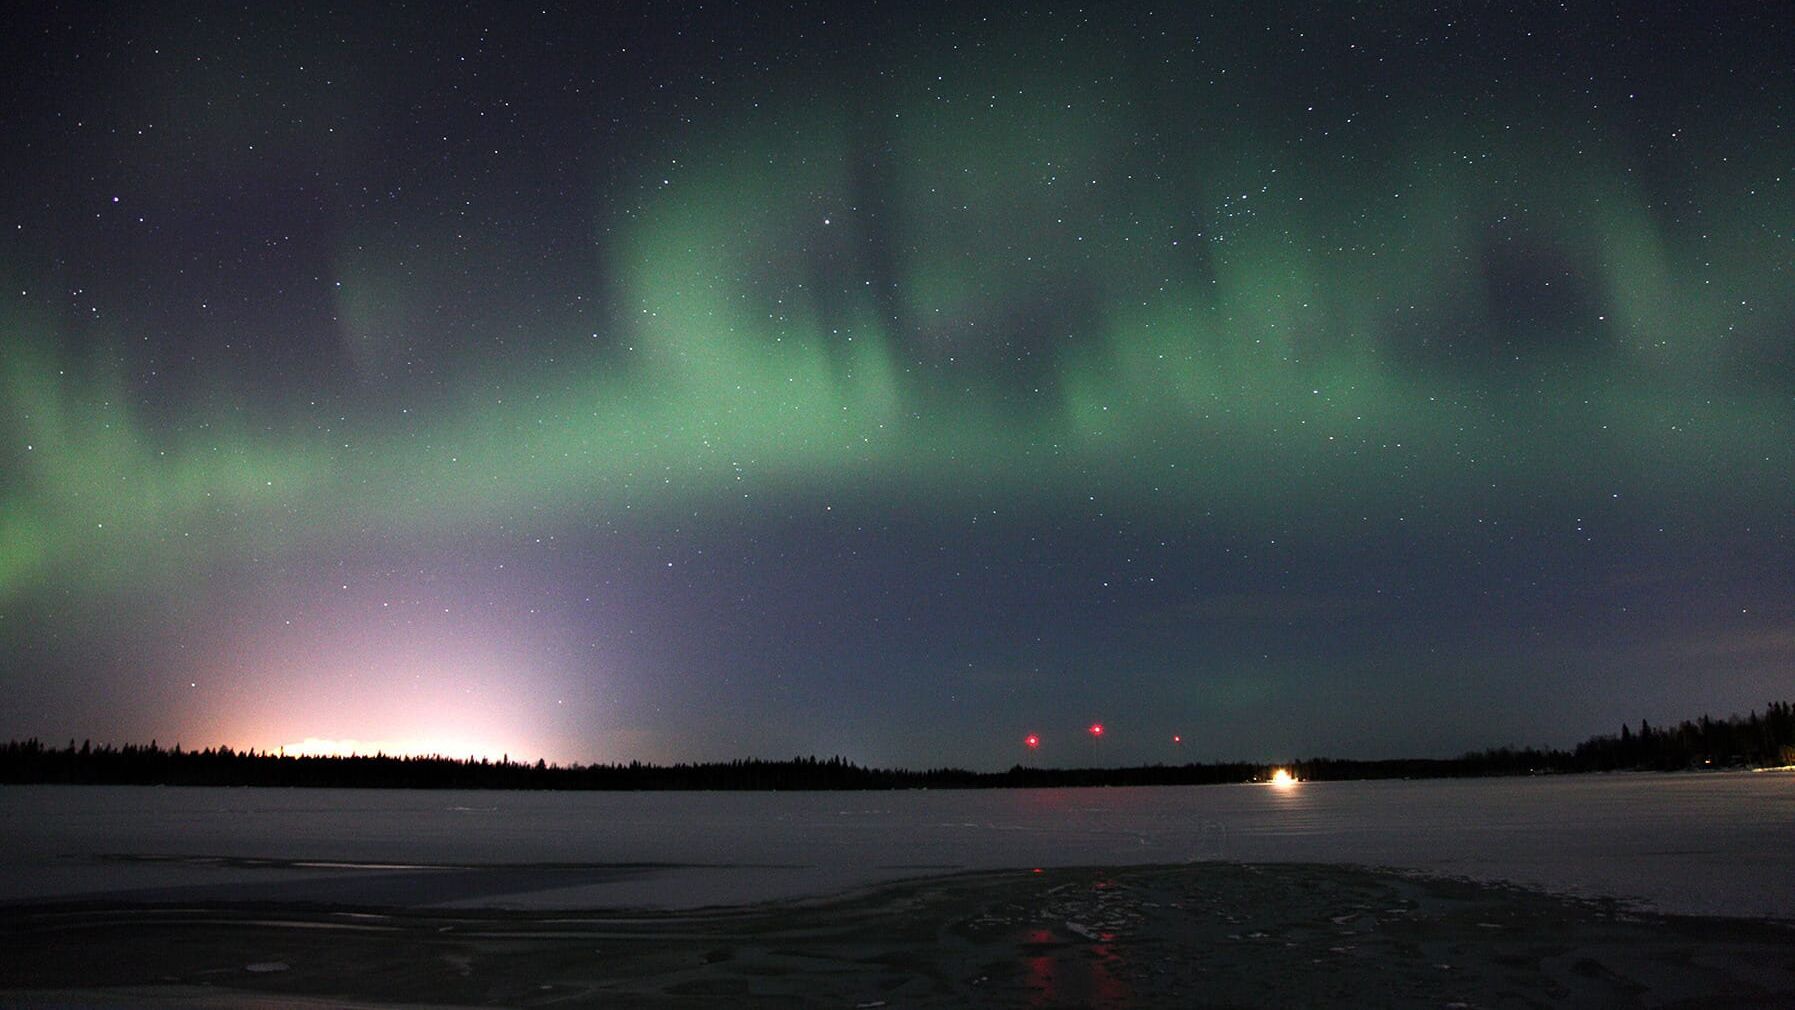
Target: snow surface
{"type": "Point", "coordinates": [1721, 843]}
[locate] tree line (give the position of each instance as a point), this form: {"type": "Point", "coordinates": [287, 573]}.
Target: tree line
{"type": "Point", "coordinates": [1748, 741]}
{"type": "Point", "coordinates": [1751, 740]}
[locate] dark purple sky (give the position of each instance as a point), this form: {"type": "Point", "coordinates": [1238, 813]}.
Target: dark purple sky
{"type": "Point", "coordinates": [691, 383]}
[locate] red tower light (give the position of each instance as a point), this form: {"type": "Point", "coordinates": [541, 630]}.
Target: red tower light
{"type": "Point", "coordinates": [1096, 729]}
{"type": "Point", "coordinates": [1032, 741]}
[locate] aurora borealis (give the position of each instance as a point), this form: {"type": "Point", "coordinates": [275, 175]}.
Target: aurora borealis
{"type": "Point", "coordinates": [693, 383]}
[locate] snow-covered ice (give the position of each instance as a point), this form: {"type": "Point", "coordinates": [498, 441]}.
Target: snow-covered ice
{"type": "Point", "coordinates": [1721, 843]}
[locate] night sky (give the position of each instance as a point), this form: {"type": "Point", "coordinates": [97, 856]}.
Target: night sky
{"type": "Point", "coordinates": [680, 382]}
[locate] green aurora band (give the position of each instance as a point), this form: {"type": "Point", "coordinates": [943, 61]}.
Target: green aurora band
{"type": "Point", "coordinates": [1016, 298]}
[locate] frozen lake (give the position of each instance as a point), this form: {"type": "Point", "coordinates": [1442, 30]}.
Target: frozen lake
{"type": "Point", "coordinates": [1721, 843]}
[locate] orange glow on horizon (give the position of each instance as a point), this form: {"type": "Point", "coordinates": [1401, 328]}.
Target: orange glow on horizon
{"type": "Point", "coordinates": [352, 685]}
{"type": "Point", "coordinates": [459, 749]}
{"type": "Point", "coordinates": [1282, 779]}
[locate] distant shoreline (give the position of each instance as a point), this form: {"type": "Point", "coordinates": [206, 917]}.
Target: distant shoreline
{"type": "Point", "coordinates": [200, 769]}
{"type": "Point", "coordinates": [1096, 781]}
{"type": "Point", "coordinates": [1751, 741]}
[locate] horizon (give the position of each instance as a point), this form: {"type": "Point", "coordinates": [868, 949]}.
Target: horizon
{"type": "Point", "coordinates": [666, 385]}
{"type": "Point", "coordinates": [1031, 744]}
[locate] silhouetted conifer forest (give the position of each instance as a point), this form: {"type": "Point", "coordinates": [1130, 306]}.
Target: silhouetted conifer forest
{"type": "Point", "coordinates": [1748, 741]}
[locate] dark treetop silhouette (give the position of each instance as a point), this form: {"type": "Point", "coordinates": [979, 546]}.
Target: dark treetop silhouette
{"type": "Point", "coordinates": [1752, 740]}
